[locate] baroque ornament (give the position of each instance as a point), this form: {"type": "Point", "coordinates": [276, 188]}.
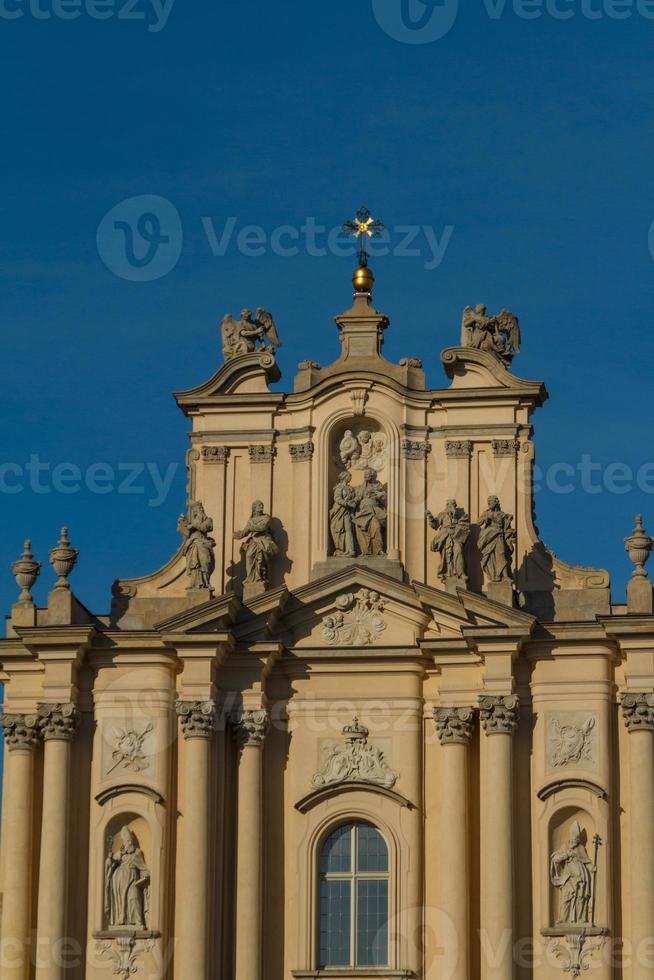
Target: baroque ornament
{"type": "Point", "coordinates": [58, 721]}
{"type": "Point", "coordinates": [22, 732]}
{"type": "Point", "coordinates": [413, 449]}
{"type": "Point", "coordinates": [499, 713]}
{"type": "Point", "coordinates": [454, 726]}
{"type": "Point", "coordinates": [301, 452]}
{"type": "Point", "coordinates": [362, 627]}
{"type": "Point", "coordinates": [355, 762]}
{"type": "Point", "coordinates": [215, 454]}
{"type": "Point", "coordinates": [363, 451]}
{"type": "Point", "coordinates": [198, 545]}
{"type": "Point", "coordinates": [571, 744]}
{"type": "Point", "coordinates": [124, 951]}
{"type": "Point", "coordinates": [576, 951]}
{"type": "Point", "coordinates": [63, 558]}
{"type": "Point", "coordinates": [458, 449]}
{"type": "Point", "coordinates": [197, 718]}
{"type": "Point", "coordinates": [452, 528]}
{"type": "Point", "coordinates": [505, 447]}
{"type": "Point", "coordinates": [250, 727]}
{"type": "Point", "coordinates": [498, 335]}
{"type": "Point", "coordinates": [26, 571]}
{"type": "Point", "coordinates": [638, 712]}
{"type": "Point", "coordinates": [262, 454]}
{"type": "Point", "coordinates": [249, 334]}
{"type": "Point", "coordinates": [128, 751]}
{"type": "Point", "coordinates": [639, 546]}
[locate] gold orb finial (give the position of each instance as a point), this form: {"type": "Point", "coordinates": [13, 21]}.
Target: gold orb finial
{"type": "Point", "coordinates": [363, 227]}
{"type": "Point", "coordinates": [363, 279]}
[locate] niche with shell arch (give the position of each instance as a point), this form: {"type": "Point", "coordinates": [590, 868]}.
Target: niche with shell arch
{"type": "Point", "coordinates": [356, 445]}
{"type": "Point", "coordinates": [128, 870]}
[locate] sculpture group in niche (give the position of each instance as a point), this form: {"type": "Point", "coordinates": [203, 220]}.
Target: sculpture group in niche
{"type": "Point", "coordinates": [498, 335]}
{"type": "Point", "coordinates": [249, 333]}
{"type": "Point", "coordinates": [452, 528]}
{"type": "Point", "coordinates": [571, 744]}
{"type": "Point", "coordinates": [357, 518]}
{"type": "Point", "coordinates": [362, 626]}
{"type": "Point", "coordinates": [127, 884]}
{"type": "Point", "coordinates": [355, 762]}
{"type": "Point", "coordinates": [573, 873]}
{"type": "Point", "coordinates": [258, 545]}
{"type": "Point", "coordinates": [198, 545]}
{"type": "Point", "coordinates": [363, 451]}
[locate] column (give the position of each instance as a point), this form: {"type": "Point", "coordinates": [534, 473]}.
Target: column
{"type": "Point", "coordinates": [455, 727]}
{"type": "Point", "coordinates": [58, 723]}
{"type": "Point", "coordinates": [638, 713]}
{"type": "Point", "coordinates": [249, 728]}
{"type": "Point", "coordinates": [198, 720]}
{"type": "Point", "coordinates": [22, 736]}
{"type": "Point", "coordinates": [499, 717]}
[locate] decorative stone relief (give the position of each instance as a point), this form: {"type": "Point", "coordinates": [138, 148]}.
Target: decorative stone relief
{"type": "Point", "coordinates": [452, 528]}
{"type": "Point", "coordinates": [301, 452]}
{"type": "Point", "coordinates": [359, 399]}
{"type": "Point", "coordinates": [198, 545]}
{"type": "Point", "coordinates": [364, 451]}
{"type": "Point", "coordinates": [258, 547]}
{"type": "Point", "coordinates": [499, 714]}
{"type": "Point", "coordinates": [455, 726]}
{"type": "Point", "coordinates": [411, 362]}
{"type": "Point", "coordinates": [638, 712]}
{"type": "Point", "coordinates": [126, 883]}
{"type": "Point", "coordinates": [215, 454]}
{"type": "Point", "coordinates": [458, 449]}
{"type": "Point", "coordinates": [26, 571]}
{"type": "Point", "coordinates": [414, 449]}
{"type": "Point", "coordinates": [124, 951]}
{"type": "Point", "coordinates": [498, 335]}
{"type": "Point", "coordinates": [496, 542]}
{"type": "Point", "coordinates": [58, 720]}
{"type": "Point", "coordinates": [249, 334]}
{"type": "Point", "coordinates": [571, 740]}
{"type": "Point", "coordinates": [128, 751]}
{"type": "Point", "coordinates": [250, 727]}
{"type": "Point", "coordinates": [575, 951]}
{"type": "Point", "coordinates": [354, 762]}
{"type": "Point", "coordinates": [308, 365]}
{"type": "Point", "coordinates": [21, 731]}
{"type": "Point", "coordinates": [362, 627]}
{"type": "Point", "coordinates": [505, 447]}
{"type": "Point", "coordinates": [262, 454]}
{"type": "Point", "coordinates": [197, 718]}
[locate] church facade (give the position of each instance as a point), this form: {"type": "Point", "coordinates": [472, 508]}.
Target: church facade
{"type": "Point", "coordinates": [363, 723]}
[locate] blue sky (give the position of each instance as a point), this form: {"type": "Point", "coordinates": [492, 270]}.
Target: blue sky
{"type": "Point", "coordinates": [524, 145]}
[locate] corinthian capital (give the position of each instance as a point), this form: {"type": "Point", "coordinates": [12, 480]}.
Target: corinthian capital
{"type": "Point", "coordinates": [58, 721]}
{"type": "Point", "coordinates": [455, 726]}
{"type": "Point", "coordinates": [250, 727]}
{"type": "Point", "coordinates": [638, 712]}
{"type": "Point", "coordinates": [22, 732]}
{"type": "Point", "coordinates": [499, 714]}
{"type": "Point", "coordinates": [198, 718]}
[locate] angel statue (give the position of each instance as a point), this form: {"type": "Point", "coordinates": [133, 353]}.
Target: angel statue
{"type": "Point", "coordinates": [498, 335]}
{"type": "Point", "coordinates": [242, 336]}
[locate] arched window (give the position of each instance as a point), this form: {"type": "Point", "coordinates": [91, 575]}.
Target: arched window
{"type": "Point", "coordinates": [353, 899]}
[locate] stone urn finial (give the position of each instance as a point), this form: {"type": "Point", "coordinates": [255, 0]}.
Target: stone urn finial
{"type": "Point", "coordinates": [63, 559]}
{"type": "Point", "coordinates": [26, 571]}
{"type": "Point", "coordinates": [639, 545]}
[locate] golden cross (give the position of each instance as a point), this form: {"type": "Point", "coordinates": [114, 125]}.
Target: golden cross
{"type": "Point", "coordinates": [363, 226]}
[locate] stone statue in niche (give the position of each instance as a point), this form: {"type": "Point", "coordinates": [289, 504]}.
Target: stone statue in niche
{"type": "Point", "coordinates": [198, 545]}
{"type": "Point", "coordinates": [366, 450]}
{"type": "Point", "coordinates": [452, 528]}
{"type": "Point", "coordinates": [341, 517]}
{"type": "Point", "coordinates": [258, 546]}
{"type": "Point", "coordinates": [573, 873]}
{"type": "Point", "coordinates": [498, 335]}
{"type": "Point", "coordinates": [370, 515]}
{"type": "Point", "coordinates": [496, 542]}
{"type": "Point", "coordinates": [242, 336]}
{"type": "Point", "coordinates": [126, 884]}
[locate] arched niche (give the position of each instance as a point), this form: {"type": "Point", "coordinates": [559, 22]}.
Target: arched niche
{"type": "Point", "coordinates": [144, 819]}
